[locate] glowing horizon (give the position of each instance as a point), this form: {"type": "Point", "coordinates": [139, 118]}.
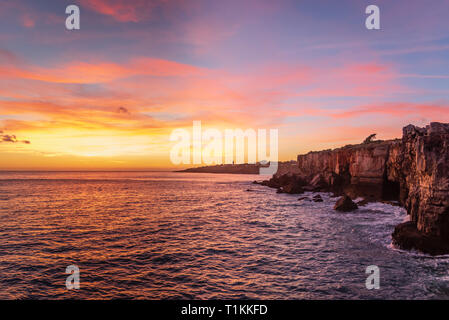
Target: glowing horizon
{"type": "Point", "coordinates": [108, 96]}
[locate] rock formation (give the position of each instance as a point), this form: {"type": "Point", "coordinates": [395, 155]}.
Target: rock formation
{"type": "Point", "coordinates": [345, 204]}
{"type": "Point", "coordinates": [423, 175]}
{"type": "Point", "coordinates": [413, 170]}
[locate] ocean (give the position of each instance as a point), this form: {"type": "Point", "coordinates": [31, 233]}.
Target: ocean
{"type": "Point", "coordinates": [166, 235]}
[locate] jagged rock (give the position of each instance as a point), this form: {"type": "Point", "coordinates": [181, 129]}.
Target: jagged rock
{"type": "Point", "coordinates": [362, 203]}
{"type": "Point", "coordinates": [279, 181]}
{"type": "Point", "coordinates": [318, 182]}
{"type": "Point", "coordinates": [425, 178]}
{"type": "Point", "coordinates": [413, 171]}
{"type": "Point", "coordinates": [356, 170]}
{"type": "Point", "coordinates": [406, 236]}
{"type": "Point", "coordinates": [292, 188]}
{"type": "Point", "coordinates": [391, 203]}
{"type": "Point", "coordinates": [345, 204]}
{"type": "Point", "coordinates": [317, 198]}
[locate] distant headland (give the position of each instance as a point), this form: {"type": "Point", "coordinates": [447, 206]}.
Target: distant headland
{"type": "Point", "coordinates": [245, 168]}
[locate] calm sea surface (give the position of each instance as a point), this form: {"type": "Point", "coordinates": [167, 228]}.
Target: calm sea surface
{"type": "Point", "coordinates": [149, 235]}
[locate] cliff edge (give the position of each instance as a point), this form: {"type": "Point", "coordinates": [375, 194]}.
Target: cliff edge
{"type": "Point", "coordinates": [414, 171]}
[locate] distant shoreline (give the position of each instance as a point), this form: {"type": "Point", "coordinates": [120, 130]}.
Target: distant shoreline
{"type": "Point", "coordinates": [8, 171]}
{"type": "Point", "coordinates": [226, 169]}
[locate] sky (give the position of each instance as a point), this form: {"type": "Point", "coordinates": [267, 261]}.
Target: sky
{"type": "Point", "coordinates": [109, 95]}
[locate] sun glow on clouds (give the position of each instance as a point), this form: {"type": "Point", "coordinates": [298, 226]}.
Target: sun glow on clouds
{"type": "Point", "coordinates": [118, 109]}
{"type": "Point", "coordinates": [121, 10]}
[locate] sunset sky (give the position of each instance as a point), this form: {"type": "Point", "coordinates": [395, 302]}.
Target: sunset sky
{"type": "Point", "coordinates": [108, 96]}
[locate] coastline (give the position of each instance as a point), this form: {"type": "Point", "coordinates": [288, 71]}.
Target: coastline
{"type": "Point", "coordinates": [412, 172]}
{"type": "Point", "coordinates": [226, 169]}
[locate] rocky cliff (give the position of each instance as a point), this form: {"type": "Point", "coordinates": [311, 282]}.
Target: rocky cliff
{"type": "Point", "coordinates": [413, 170]}
{"type": "Point", "coordinates": [422, 170]}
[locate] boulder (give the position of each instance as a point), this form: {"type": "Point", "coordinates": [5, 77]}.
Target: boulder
{"type": "Point", "coordinates": [317, 198]}
{"type": "Point", "coordinates": [292, 188]}
{"type": "Point", "coordinates": [406, 236]}
{"type": "Point", "coordinates": [345, 204]}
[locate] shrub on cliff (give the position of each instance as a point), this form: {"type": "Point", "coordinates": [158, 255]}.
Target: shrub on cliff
{"type": "Point", "coordinates": [370, 138]}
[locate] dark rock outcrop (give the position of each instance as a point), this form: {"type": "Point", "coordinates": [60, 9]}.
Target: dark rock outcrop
{"type": "Point", "coordinates": [292, 188]}
{"type": "Point", "coordinates": [423, 174]}
{"type": "Point", "coordinates": [412, 171]}
{"type": "Point", "coordinates": [362, 203]}
{"type": "Point", "coordinates": [407, 237]}
{"type": "Point", "coordinates": [355, 170]}
{"type": "Point", "coordinates": [318, 182]}
{"type": "Point", "coordinates": [345, 204]}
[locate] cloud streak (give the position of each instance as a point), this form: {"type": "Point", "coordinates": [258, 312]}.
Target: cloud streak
{"type": "Point", "coordinates": [435, 111]}
{"type": "Point", "coordinates": [124, 10]}
{"type": "Point", "coordinates": [11, 138]}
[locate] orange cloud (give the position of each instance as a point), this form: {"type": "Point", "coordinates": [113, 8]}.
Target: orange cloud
{"type": "Point", "coordinates": [106, 108]}
{"type": "Point", "coordinates": [82, 72]}
{"type": "Point", "coordinates": [122, 10]}
{"type": "Point", "coordinates": [148, 85]}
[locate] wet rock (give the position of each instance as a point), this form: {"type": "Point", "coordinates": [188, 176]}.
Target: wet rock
{"type": "Point", "coordinates": [309, 188]}
{"type": "Point", "coordinates": [406, 236]}
{"type": "Point", "coordinates": [303, 198]}
{"type": "Point", "coordinates": [292, 188]}
{"type": "Point", "coordinates": [363, 202]}
{"type": "Point", "coordinates": [345, 204]}
{"type": "Point", "coordinates": [317, 198]}
{"type": "Point", "coordinates": [392, 203]}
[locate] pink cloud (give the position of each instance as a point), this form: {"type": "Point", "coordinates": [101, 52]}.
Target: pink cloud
{"type": "Point", "coordinates": [98, 72]}
{"type": "Point", "coordinates": [28, 20]}
{"type": "Point", "coordinates": [123, 10]}
{"type": "Point", "coordinates": [266, 95]}
{"type": "Point", "coordinates": [435, 111]}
